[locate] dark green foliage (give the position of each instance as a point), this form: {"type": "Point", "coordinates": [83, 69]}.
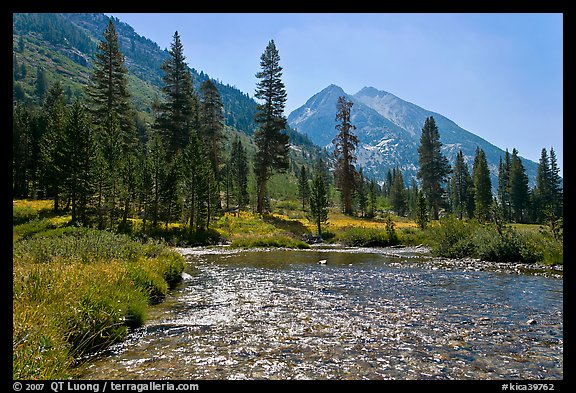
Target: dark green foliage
{"type": "Point", "coordinates": [212, 125]}
{"type": "Point", "coordinates": [462, 189]}
{"type": "Point", "coordinates": [318, 202]}
{"type": "Point", "coordinates": [556, 187]}
{"type": "Point", "coordinates": [21, 150]}
{"type": "Point", "coordinates": [422, 217]}
{"type": "Point", "coordinates": [345, 144]}
{"type": "Point", "coordinates": [433, 166]}
{"type": "Point", "coordinates": [519, 191]}
{"type": "Point", "coordinates": [373, 190]}
{"type": "Point", "coordinates": [79, 160]}
{"type": "Point", "coordinates": [303, 186]}
{"type": "Point", "coordinates": [179, 113]}
{"type": "Point", "coordinates": [238, 175]}
{"type": "Point", "coordinates": [361, 193]}
{"type": "Point", "coordinates": [156, 160]}
{"type": "Point", "coordinates": [272, 143]}
{"type": "Point", "coordinates": [504, 190]}
{"type": "Point", "coordinates": [108, 87]}
{"type": "Point", "coordinates": [548, 193]}
{"type": "Point", "coordinates": [52, 144]}
{"type": "Point", "coordinates": [196, 185]}
{"type": "Point", "coordinates": [116, 134]}
{"type": "Point", "coordinates": [398, 196]}
{"type": "Point", "coordinates": [41, 85]}
{"type": "Point", "coordinates": [452, 239]}
{"type": "Point", "coordinates": [496, 242]}
{"type": "Point", "coordinates": [482, 186]}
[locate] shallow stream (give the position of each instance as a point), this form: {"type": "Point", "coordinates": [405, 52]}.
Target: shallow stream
{"type": "Point", "coordinates": [363, 314]}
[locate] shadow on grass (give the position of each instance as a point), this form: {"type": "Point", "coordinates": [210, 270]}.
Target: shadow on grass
{"type": "Point", "coordinates": [291, 226]}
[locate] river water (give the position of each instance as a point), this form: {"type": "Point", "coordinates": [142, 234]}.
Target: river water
{"type": "Point", "coordinates": [364, 314]}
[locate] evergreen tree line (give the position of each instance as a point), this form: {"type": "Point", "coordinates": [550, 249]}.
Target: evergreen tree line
{"type": "Point", "coordinates": [89, 158]}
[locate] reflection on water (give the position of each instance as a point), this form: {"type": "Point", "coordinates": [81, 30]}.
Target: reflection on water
{"type": "Point", "coordinates": [280, 314]}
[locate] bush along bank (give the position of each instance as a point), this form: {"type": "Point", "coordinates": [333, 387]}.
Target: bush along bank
{"type": "Point", "coordinates": [79, 290]}
{"type": "Point", "coordinates": [454, 238]}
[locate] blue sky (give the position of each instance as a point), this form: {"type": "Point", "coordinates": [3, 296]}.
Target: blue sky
{"type": "Point", "coordinates": [499, 76]}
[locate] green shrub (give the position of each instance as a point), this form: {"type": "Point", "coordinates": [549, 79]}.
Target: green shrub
{"type": "Point", "coordinates": [452, 238]}
{"type": "Point", "coordinates": [459, 239]}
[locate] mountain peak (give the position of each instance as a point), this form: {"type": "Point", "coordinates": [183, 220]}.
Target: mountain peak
{"type": "Point", "coordinates": [369, 91]}
{"type": "Point", "coordinates": [333, 89]}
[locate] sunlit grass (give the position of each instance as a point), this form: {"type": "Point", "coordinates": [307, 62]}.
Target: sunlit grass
{"type": "Point", "coordinates": [76, 290]}
{"type": "Point", "coordinates": [338, 221]}
{"type": "Point", "coordinates": [36, 204]}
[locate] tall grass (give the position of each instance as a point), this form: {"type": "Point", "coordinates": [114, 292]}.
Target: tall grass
{"type": "Point", "coordinates": [77, 290]}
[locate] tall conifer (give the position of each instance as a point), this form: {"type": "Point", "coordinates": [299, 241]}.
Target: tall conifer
{"type": "Point", "coordinates": [273, 145]}
{"type": "Point", "coordinates": [482, 185]}
{"type": "Point", "coordinates": [345, 144]}
{"type": "Point", "coordinates": [433, 166]}
{"type": "Point", "coordinates": [179, 113]}
{"type": "Point", "coordinates": [519, 191]}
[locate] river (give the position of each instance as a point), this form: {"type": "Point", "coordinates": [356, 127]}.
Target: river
{"type": "Point", "coordinates": [363, 314]}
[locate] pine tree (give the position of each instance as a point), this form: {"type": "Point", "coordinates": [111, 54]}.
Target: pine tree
{"type": "Point", "coordinates": [482, 186]}
{"type": "Point", "coordinates": [318, 202]}
{"type": "Point", "coordinates": [273, 145]}
{"type": "Point", "coordinates": [372, 197]}
{"type": "Point", "coordinates": [422, 217]}
{"type": "Point", "coordinates": [169, 188]}
{"type": "Point", "coordinates": [198, 183]}
{"type": "Point", "coordinates": [239, 173]}
{"type": "Point", "coordinates": [344, 148]}
{"type": "Point", "coordinates": [519, 190]}
{"type": "Point", "coordinates": [116, 134]}
{"type": "Point", "coordinates": [462, 189]}
{"type": "Point", "coordinates": [557, 194]}
{"type": "Point", "coordinates": [41, 84]}
{"type": "Point", "coordinates": [504, 186]}
{"type": "Point", "coordinates": [542, 189]}
{"type": "Point", "coordinates": [361, 193]}
{"type": "Point", "coordinates": [108, 85]}
{"type": "Point", "coordinates": [412, 198]}
{"type": "Point", "coordinates": [79, 148]}
{"type": "Point", "coordinates": [179, 114]}
{"type": "Point", "coordinates": [303, 186]}
{"type": "Point", "coordinates": [212, 131]}
{"type": "Point", "coordinates": [21, 150]}
{"type": "Point", "coordinates": [388, 182]}
{"type": "Point", "coordinates": [145, 186]}
{"type": "Point", "coordinates": [52, 145]}
{"type": "Point", "coordinates": [433, 166]}
{"type": "Point", "coordinates": [398, 193]}
{"type": "Point", "coordinates": [157, 160]}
